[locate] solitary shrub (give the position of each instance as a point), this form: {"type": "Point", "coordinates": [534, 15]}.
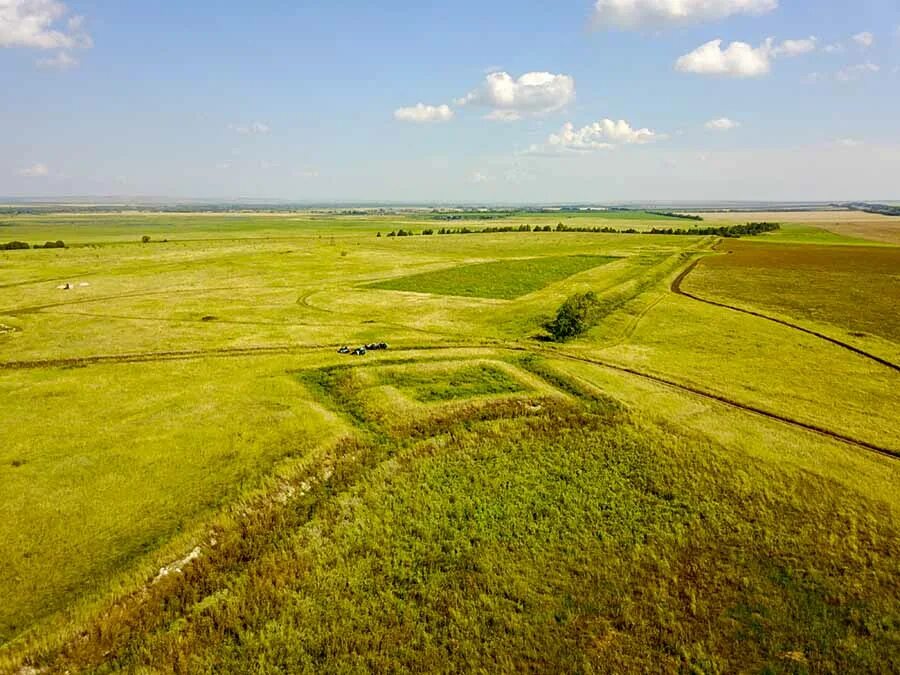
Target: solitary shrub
{"type": "Point", "coordinates": [59, 243]}
{"type": "Point", "coordinates": [575, 316]}
{"type": "Point", "coordinates": [145, 239]}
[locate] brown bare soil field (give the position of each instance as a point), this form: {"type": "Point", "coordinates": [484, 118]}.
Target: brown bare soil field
{"type": "Point", "coordinates": [871, 226]}
{"type": "Point", "coordinates": [887, 231]}
{"type": "Point", "coordinates": [855, 288]}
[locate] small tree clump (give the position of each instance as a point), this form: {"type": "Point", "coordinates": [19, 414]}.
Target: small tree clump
{"type": "Point", "coordinates": [575, 316]}
{"type": "Point", "coordinates": [145, 239]}
{"type": "Point", "coordinates": [14, 246]}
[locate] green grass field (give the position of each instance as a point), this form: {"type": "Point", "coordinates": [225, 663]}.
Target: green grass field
{"type": "Point", "coordinates": [192, 479]}
{"type": "Point", "coordinates": [504, 280]}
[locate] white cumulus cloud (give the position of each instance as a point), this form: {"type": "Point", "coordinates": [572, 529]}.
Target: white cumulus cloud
{"type": "Point", "coordinates": [39, 24]}
{"type": "Point", "coordinates": [34, 171]}
{"type": "Point", "coordinates": [722, 124]}
{"type": "Point", "coordinates": [637, 14]}
{"type": "Point", "coordinates": [421, 113]}
{"type": "Point", "coordinates": [513, 98]}
{"type": "Point", "coordinates": [603, 135]}
{"type": "Point", "coordinates": [740, 59]}
{"type": "Point", "coordinates": [864, 39]}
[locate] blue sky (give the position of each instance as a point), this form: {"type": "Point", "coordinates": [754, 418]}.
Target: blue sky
{"type": "Point", "coordinates": [574, 100]}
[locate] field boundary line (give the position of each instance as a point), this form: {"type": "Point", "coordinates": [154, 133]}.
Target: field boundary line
{"type": "Point", "coordinates": [221, 352]}
{"type": "Point", "coordinates": [833, 435]}
{"type": "Point", "coordinates": [678, 290]}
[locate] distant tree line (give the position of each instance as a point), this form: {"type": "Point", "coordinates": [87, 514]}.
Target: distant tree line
{"type": "Point", "coordinates": [881, 209]}
{"type": "Point", "coordinates": [727, 231]}
{"type": "Point", "coordinates": [21, 245]}
{"type": "Point", "coordinates": [469, 216]}
{"type": "Point", "coordinates": [672, 214]}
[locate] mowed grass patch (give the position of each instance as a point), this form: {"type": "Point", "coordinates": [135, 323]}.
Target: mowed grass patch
{"type": "Point", "coordinates": [854, 288]}
{"type": "Point", "coordinates": [501, 279]}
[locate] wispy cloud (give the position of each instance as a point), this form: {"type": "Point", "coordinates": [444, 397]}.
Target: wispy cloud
{"type": "Point", "coordinates": [864, 39]}
{"type": "Point", "coordinates": [423, 114]}
{"type": "Point", "coordinates": [857, 72]}
{"type": "Point", "coordinates": [252, 129]}
{"type": "Point", "coordinates": [722, 124]}
{"type": "Point", "coordinates": [34, 171]}
{"type": "Point", "coordinates": [656, 14]}
{"type": "Point", "coordinates": [61, 61]}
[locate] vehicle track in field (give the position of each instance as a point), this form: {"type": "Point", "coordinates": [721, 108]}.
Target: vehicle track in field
{"type": "Point", "coordinates": [678, 290]}
{"type": "Point", "coordinates": [88, 299]}
{"type": "Point", "coordinates": [271, 350]}
{"type": "Point", "coordinates": [221, 352]}
{"type": "Point", "coordinates": [833, 435]}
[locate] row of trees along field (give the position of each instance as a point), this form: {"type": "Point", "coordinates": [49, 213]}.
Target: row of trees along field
{"type": "Point", "coordinates": [728, 231]}
{"type": "Point", "coordinates": [21, 245]}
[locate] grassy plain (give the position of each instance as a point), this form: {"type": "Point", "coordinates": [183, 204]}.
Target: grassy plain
{"type": "Point", "coordinates": [474, 498]}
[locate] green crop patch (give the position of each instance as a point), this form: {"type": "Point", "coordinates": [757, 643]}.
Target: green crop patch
{"type": "Point", "coordinates": [501, 280]}
{"type": "Point", "coordinates": [467, 382]}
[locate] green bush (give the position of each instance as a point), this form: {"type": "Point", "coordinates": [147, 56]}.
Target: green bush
{"type": "Point", "coordinates": [14, 246]}
{"type": "Point", "coordinates": [576, 315]}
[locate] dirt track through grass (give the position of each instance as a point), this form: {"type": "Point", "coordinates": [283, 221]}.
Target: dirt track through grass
{"type": "Point", "coordinates": [147, 357]}
{"type": "Point", "coordinates": [677, 289]}
{"type": "Point", "coordinates": [893, 454]}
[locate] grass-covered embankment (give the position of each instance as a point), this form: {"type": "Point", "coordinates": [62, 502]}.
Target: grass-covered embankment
{"type": "Point", "coordinates": [577, 540]}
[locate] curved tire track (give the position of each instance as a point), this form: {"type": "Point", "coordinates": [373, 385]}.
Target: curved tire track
{"type": "Point", "coordinates": [225, 352]}
{"type": "Point", "coordinates": [676, 288]}
{"type": "Point", "coordinates": [222, 352]}
{"type": "Point", "coordinates": [893, 454]}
